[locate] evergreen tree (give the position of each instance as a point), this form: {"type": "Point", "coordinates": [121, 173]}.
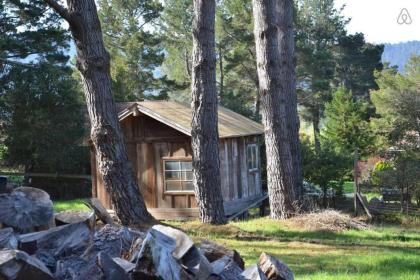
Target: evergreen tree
{"type": "Point", "coordinates": [176, 31]}
{"type": "Point", "coordinates": [237, 71]}
{"type": "Point", "coordinates": [134, 46]}
{"type": "Point", "coordinates": [40, 108]}
{"type": "Point", "coordinates": [106, 134]}
{"type": "Point", "coordinates": [273, 29]}
{"type": "Point", "coordinates": [204, 125]}
{"type": "Point", "coordinates": [44, 126]}
{"type": "Point", "coordinates": [346, 124]}
{"type": "Point", "coordinates": [357, 62]}
{"type": "Point", "coordinates": [29, 33]}
{"type": "Point", "coordinates": [319, 26]}
{"type": "Point", "coordinates": [237, 79]}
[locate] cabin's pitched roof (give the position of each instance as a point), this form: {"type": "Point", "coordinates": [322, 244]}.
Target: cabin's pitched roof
{"type": "Point", "coordinates": [178, 116]}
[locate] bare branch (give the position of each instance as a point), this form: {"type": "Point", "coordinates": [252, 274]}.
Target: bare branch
{"type": "Point", "coordinates": [59, 9]}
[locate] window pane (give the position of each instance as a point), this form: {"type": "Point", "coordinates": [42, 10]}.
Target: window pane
{"type": "Point", "coordinates": [172, 165]}
{"type": "Point", "coordinates": [172, 175]}
{"type": "Point", "coordinates": [252, 156]}
{"type": "Point", "coordinates": [188, 186]}
{"type": "Point", "coordinates": [173, 186]}
{"type": "Point", "coordinates": [187, 175]}
{"type": "Point", "coordinates": [186, 165]}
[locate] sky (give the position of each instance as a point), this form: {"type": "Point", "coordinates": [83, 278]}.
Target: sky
{"type": "Point", "coordinates": [377, 19]}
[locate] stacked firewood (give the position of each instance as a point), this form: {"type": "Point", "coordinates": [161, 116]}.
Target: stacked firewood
{"type": "Point", "coordinates": [77, 248]}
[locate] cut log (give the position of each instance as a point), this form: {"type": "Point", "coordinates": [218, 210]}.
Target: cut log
{"type": "Point", "coordinates": [73, 217]}
{"type": "Point", "coordinates": [182, 242]}
{"type": "Point", "coordinates": [8, 239]}
{"type": "Point", "coordinates": [63, 240]}
{"type": "Point", "coordinates": [254, 273]}
{"type": "Point", "coordinates": [227, 269]}
{"type": "Point", "coordinates": [156, 259]}
{"type": "Point", "coordinates": [26, 209]}
{"type": "Point", "coordinates": [185, 253]}
{"type": "Point", "coordinates": [274, 269]}
{"type": "Point", "coordinates": [213, 252]}
{"type": "Point", "coordinates": [111, 270]}
{"type": "Point", "coordinates": [126, 265]}
{"type": "Point", "coordinates": [16, 264]}
{"type": "Point", "coordinates": [135, 249]}
{"type": "Point", "coordinates": [100, 211]}
{"type": "Point", "coordinates": [75, 268]}
{"type": "Point", "coordinates": [112, 240]}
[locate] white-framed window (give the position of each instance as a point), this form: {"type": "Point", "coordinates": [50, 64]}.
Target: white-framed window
{"type": "Point", "coordinates": [178, 175]}
{"type": "Point", "coordinates": [252, 157]}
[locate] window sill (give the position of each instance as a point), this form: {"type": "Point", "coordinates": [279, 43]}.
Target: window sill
{"type": "Point", "coordinates": [179, 192]}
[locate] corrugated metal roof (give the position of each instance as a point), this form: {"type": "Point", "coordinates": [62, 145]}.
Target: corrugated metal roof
{"type": "Point", "coordinates": [178, 116]}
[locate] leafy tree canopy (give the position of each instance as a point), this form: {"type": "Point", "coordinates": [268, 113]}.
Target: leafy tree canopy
{"type": "Point", "coordinates": [397, 103]}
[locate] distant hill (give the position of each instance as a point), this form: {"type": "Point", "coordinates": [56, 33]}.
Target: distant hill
{"type": "Point", "coordinates": [398, 54]}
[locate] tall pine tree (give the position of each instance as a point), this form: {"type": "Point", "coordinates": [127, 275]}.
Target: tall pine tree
{"type": "Point", "coordinates": [134, 46]}
{"type": "Point", "coordinates": [175, 27]}
{"type": "Point", "coordinates": [319, 26]}
{"type": "Point", "coordinates": [40, 105]}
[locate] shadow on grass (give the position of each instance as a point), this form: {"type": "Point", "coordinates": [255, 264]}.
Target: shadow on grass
{"type": "Point", "coordinates": [337, 261]}
{"type": "Point", "coordinates": [371, 254]}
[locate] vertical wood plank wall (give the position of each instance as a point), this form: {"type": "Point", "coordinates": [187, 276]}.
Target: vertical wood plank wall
{"type": "Point", "coordinates": [237, 181]}
{"type": "Point", "coordinates": [149, 142]}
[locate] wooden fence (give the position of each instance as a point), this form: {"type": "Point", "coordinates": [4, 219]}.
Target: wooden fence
{"type": "Point", "coordinates": [47, 175]}
{"type": "Point", "coordinates": [393, 208]}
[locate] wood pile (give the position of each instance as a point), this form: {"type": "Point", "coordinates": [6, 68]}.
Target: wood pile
{"type": "Point", "coordinates": [80, 249]}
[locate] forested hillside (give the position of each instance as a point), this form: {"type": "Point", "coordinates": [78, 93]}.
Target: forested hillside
{"type": "Point", "coordinates": [398, 54]}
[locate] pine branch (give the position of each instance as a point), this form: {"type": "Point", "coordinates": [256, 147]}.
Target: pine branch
{"type": "Point", "coordinates": [59, 9]}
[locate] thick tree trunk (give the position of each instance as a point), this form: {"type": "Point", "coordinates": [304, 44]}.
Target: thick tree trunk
{"type": "Point", "coordinates": [275, 79]}
{"type": "Point", "coordinates": [106, 134]}
{"type": "Point", "coordinates": [287, 53]}
{"type": "Point", "coordinates": [257, 106]}
{"type": "Point", "coordinates": [222, 76]}
{"type": "Point", "coordinates": [204, 134]}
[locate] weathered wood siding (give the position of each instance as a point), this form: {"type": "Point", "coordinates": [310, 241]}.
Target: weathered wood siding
{"type": "Point", "coordinates": [237, 181]}
{"type": "Point", "coordinates": [150, 142]}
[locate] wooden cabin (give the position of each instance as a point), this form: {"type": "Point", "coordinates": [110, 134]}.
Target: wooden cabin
{"type": "Point", "coordinates": [158, 137]}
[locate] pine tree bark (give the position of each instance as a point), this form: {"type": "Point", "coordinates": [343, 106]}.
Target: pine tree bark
{"type": "Point", "coordinates": [276, 79]}
{"type": "Point", "coordinates": [287, 53]}
{"type": "Point", "coordinates": [204, 133]}
{"type": "Point", "coordinates": [93, 62]}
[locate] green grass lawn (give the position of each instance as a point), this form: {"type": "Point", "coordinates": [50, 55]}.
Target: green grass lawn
{"type": "Point", "coordinates": [389, 252]}
{"type": "Point", "coordinates": [75, 205]}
